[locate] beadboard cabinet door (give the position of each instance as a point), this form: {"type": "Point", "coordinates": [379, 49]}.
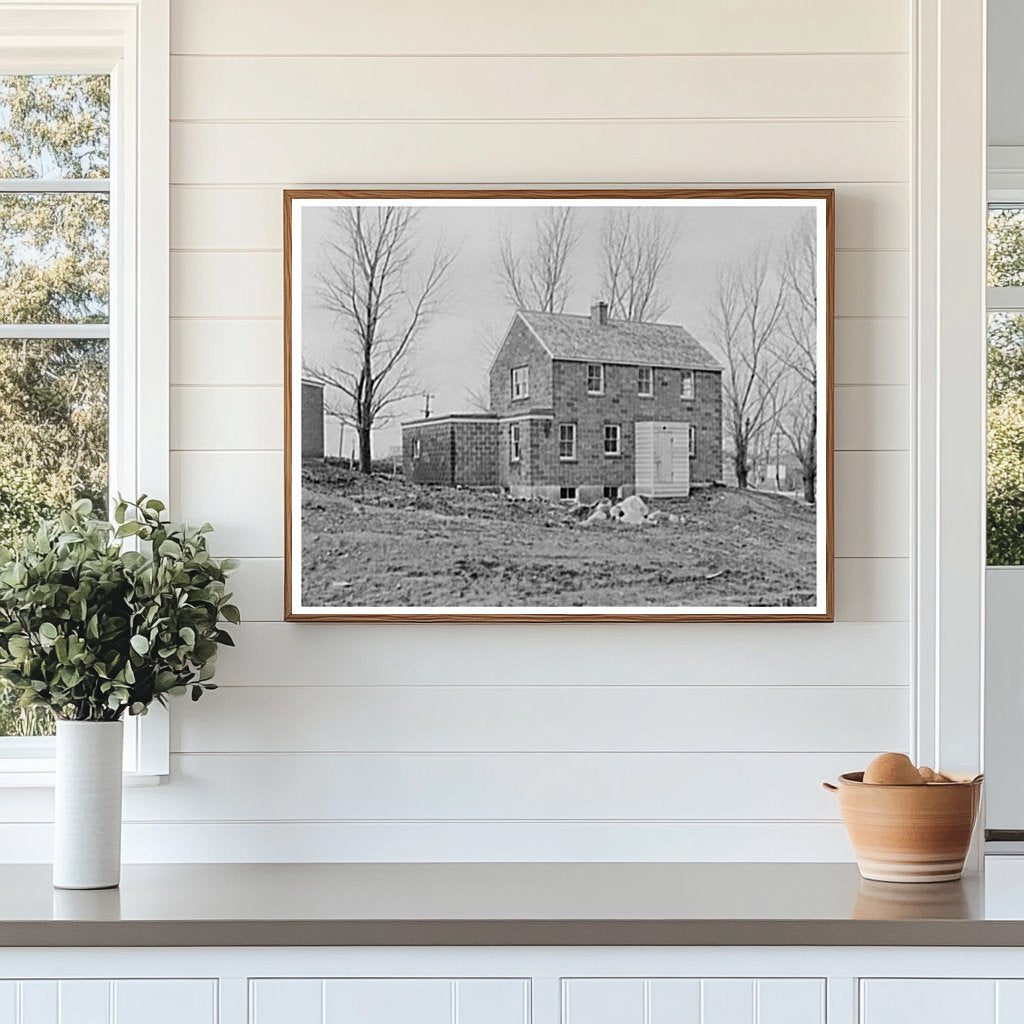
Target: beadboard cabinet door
{"type": "Point", "coordinates": [693, 1001]}
{"type": "Point", "coordinates": [388, 1001]}
{"type": "Point", "coordinates": [99, 1001]}
{"type": "Point", "coordinates": [933, 1001]}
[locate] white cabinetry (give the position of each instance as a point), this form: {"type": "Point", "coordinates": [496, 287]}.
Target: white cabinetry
{"type": "Point", "coordinates": [693, 1001]}
{"type": "Point", "coordinates": [941, 1001]}
{"type": "Point", "coordinates": [388, 1001]}
{"type": "Point", "coordinates": [101, 1001]}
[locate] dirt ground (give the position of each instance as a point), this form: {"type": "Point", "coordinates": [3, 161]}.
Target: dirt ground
{"type": "Point", "coordinates": [377, 541]}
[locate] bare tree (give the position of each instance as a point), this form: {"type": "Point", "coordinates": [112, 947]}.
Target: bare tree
{"type": "Point", "coordinates": [636, 261]}
{"type": "Point", "coordinates": [798, 347]}
{"type": "Point", "coordinates": [380, 306]}
{"type": "Point", "coordinates": [540, 278]}
{"type": "Point", "coordinates": [744, 317]}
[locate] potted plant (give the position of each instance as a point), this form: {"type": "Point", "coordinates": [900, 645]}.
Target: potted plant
{"type": "Point", "coordinates": [99, 620]}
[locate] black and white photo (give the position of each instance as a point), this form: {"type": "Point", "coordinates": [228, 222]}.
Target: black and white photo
{"type": "Point", "coordinates": [559, 405]}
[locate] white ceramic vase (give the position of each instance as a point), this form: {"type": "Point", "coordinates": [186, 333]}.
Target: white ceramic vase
{"type": "Point", "coordinates": [87, 806]}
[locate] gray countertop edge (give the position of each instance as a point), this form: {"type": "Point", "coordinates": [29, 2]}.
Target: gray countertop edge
{"type": "Point", "coordinates": [34, 934]}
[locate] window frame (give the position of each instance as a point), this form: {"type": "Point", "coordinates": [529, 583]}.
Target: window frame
{"type": "Point", "coordinates": [617, 453]}
{"type": "Point", "coordinates": [601, 375]}
{"type": "Point", "coordinates": [650, 392]}
{"type": "Point", "coordinates": [131, 44]}
{"type": "Point", "coordinates": [688, 393]}
{"type": "Point", "coordinates": [692, 441]}
{"type": "Point", "coordinates": [417, 448]}
{"type": "Point", "coordinates": [515, 443]}
{"type": "Point", "coordinates": [575, 449]}
{"type": "Point", "coordinates": [574, 496]}
{"type": "Point", "coordinates": [524, 383]}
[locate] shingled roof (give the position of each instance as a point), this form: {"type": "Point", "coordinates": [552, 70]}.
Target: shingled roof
{"type": "Point", "coordinates": [580, 339]}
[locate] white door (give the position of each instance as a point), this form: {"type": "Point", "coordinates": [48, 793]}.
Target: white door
{"type": "Point", "coordinates": [663, 461]}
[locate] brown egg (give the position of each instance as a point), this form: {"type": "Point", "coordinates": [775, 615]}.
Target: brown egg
{"type": "Point", "coordinates": [893, 770]}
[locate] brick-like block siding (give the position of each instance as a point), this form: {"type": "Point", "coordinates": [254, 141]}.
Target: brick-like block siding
{"type": "Point", "coordinates": [620, 403]}
{"type": "Point", "coordinates": [312, 421]}
{"type": "Point", "coordinates": [452, 452]}
{"type": "Point", "coordinates": [520, 348]}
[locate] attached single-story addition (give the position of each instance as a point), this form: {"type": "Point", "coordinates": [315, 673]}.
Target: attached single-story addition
{"type": "Point", "coordinates": [312, 420]}
{"type": "Point", "coordinates": [583, 407]}
{"type": "Point", "coordinates": [459, 450]}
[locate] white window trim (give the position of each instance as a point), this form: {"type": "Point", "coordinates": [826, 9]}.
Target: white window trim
{"type": "Point", "coordinates": [948, 450]}
{"type": "Point", "coordinates": [567, 458]}
{"type": "Point", "coordinates": [131, 42]}
{"type": "Point", "coordinates": [525, 371]}
{"type": "Point", "coordinates": [691, 376]}
{"type": "Point", "coordinates": [618, 441]}
{"type": "Point", "coordinates": [644, 394]}
{"type": "Point", "coordinates": [575, 493]}
{"type": "Point", "coordinates": [600, 391]}
{"type": "Point", "coordinates": [692, 441]}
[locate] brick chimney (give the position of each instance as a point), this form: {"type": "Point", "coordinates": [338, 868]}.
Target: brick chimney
{"type": "Point", "coordinates": [599, 313]}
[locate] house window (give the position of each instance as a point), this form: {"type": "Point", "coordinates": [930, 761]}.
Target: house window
{"type": "Point", "coordinates": [693, 441]}
{"type": "Point", "coordinates": [567, 442]}
{"type": "Point", "coordinates": [595, 378]}
{"type": "Point", "coordinates": [417, 448]}
{"type": "Point", "coordinates": [515, 452]}
{"type": "Point", "coordinates": [614, 493]}
{"type": "Point", "coordinates": [687, 391]}
{"type": "Point", "coordinates": [645, 381]}
{"type": "Point", "coordinates": [567, 493]}
{"type": "Point", "coordinates": [612, 439]}
{"type": "Point", "coordinates": [520, 382]}
{"type": "Point", "coordinates": [85, 407]}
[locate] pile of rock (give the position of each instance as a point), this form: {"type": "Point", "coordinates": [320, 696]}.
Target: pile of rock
{"type": "Point", "coordinates": [631, 511]}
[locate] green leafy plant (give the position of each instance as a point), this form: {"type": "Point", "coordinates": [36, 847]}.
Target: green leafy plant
{"type": "Point", "coordinates": [91, 629]}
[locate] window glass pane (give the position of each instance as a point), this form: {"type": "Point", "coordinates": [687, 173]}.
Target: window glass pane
{"type": "Point", "coordinates": [1005, 482]}
{"type": "Point", "coordinates": [53, 449]}
{"type": "Point", "coordinates": [54, 257]}
{"type": "Point", "coordinates": [54, 126]}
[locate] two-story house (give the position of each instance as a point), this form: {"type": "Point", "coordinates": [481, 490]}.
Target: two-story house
{"type": "Point", "coordinates": [583, 407]}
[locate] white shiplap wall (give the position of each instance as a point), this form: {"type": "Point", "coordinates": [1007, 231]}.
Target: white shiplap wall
{"type": "Point", "coordinates": [680, 741]}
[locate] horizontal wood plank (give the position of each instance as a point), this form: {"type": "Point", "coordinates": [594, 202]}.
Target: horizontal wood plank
{"type": "Point", "coordinates": [535, 26]}
{"type": "Point", "coordinates": [573, 152]}
{"type": "Point", "coordinates": [222, 352]}
{"type": "Point", "coordinates": [241, 493]}
{"type": "Point", "coordinates": [872, 418]}
{"type": "Point", "coordinates": [868, 216]}
{"type": "Point", "coordinates": [288, 88]}
{"type": "Point", "coordinates": [438, 654]}
{"type": "Point", "coordinates": [234, 418]}
{"type": "Point", "coordinates": [872, 350]}
{"type": "Point", "coordinates": [872, 504]}
{"type": "Point", "coordinates": [446, 786]}
{"type": "Point", "coordinates": [160, 842]}
{"type": "Point", "coordinates": [631, 718]}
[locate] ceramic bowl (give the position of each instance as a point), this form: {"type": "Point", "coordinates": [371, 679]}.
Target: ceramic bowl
{"type": "Point", "coordinates": [909, 833]}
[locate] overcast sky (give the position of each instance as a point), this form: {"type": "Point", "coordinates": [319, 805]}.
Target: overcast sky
{"type": "Point", "coordinates": [451, 355]}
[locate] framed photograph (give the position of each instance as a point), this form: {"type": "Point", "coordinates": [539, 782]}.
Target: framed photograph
{"type": "Point", "coordinates": [558, 405]}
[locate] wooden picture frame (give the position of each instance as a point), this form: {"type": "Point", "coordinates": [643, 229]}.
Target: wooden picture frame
{"type": "Point", "coordinates": [575, 332]}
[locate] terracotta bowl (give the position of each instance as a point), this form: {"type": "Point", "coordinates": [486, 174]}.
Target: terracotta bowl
{"type": "Point", "coordinates": [909, 833]}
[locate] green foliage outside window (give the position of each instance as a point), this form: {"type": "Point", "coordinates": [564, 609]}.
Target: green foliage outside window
{"type": "Point", "coordinates": [54, 269]}
{"type": "Point", "coordinates": [1005, 478]}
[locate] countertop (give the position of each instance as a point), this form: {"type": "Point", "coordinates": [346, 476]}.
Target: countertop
{"type": "Point", "coordinates": [509, 904]}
